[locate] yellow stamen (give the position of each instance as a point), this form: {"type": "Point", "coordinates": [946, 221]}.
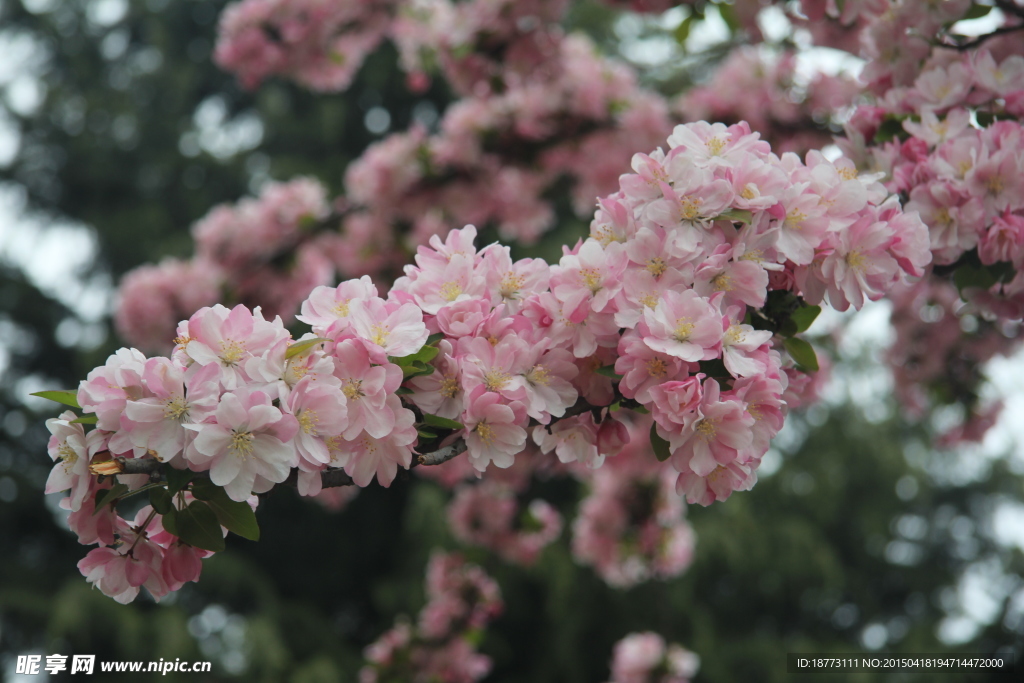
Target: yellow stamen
{"type": "Point", "coordinates": [353, 389]}
{"type": "Point", "coordinates": [231, 351]}
{"type": "Point", "coordinates": [450, 291]}
{"type": "Point", "coordinates": [591, 278]}
{"type": "Point", "coordinates": [495, 380]}
{"type": "Point", "coordinates": [510, 285]}
{"type": "Point", "coordinates": [68, 456]}
{"type": "Point", "coordinates": [722, 282]}
{"type": "Point", "coordinates": [795, 220]}
{"type": "Point", "coordinates": [379, 334]}
{"type": "Point", "coordinates": [656, 266]}
{"type": "Point", "coordinates": [539, 375]}
{"type": "Point", "coordinates": [449, 386]}
{"type": "Point", "coordinates": [715, 145]}
{"type": "Point", "coordinates": [176, 409]}
{"type": "Point", "coordinates": [683, 329]}
{"type": "Point", "coordinates": [308, 421]}
{"type": "Point", "coordinates": [656, 367]}
{"type": "Point", "coordinates": [241, 444]}
{"type": "Point", "coordinates": [706, 429]}
{"type": "Point", "coordinates": [485, 432]}
{"type": "Point", "coordinates": [857, 261]}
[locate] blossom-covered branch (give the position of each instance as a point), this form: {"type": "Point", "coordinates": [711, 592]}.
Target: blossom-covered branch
{"type": "Point", "coordinates": [680, 305]}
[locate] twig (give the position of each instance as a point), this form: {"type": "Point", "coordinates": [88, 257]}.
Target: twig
{"type": "Point", "coordinates": [971, 44]}
{"type": "Point", "coordinates": [443, 455]}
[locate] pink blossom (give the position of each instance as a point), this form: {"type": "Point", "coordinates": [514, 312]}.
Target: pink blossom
{"type": "Point", "coordinates": [71, 451]}
{"type": "Point", "coordinates": [107, 389]}
{"type": "Point", "coordinates": [249, 438]}
{"type": "Point", "coordinates": [328, 307]}
{"type": "Point", "coordinates": [227, 338]}
{"type": "Point", "coordinates": [717, 434]}
{"type": "Point", "coordinates": [391, 329]}
{"type": "Point", "coordinates": [493, 431]}
{"type": "Point", "coordinates": [684, 325]}
{"type": "Point", "coordinates": [367, 455]}
{"type": "Point", "coordinates": [366, 389]}
{"type": "Point", "coordinates": [156, 423]}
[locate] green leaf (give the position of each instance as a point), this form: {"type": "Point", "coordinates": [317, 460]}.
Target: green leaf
{"type": "Point", "coordinates": [236, 517]}
{"type": "Point", "coordinates": [729, 16]}
{"type": "Point", "coordinates": [434, 338]}
{"type": "Point", "coordinates": [738, 215]}
{"type": "Point", "coordinates": [682, 32]}
{"type": "Point", "coordinates": [197, 525]}
{"type": "Point", "coordinates": [204, 489]}
{"type": "Point", "coordinates": [85, 420]}
{"type": "Point", "coordinates": [110, 496]}
{"type": "Point", "coordinates": [442, 422]}
{"type": "Point", "coordinates": [977, 11]}
{"type": "Point", "coordinates": [170, 522]}
{"type": "Point", "coordinates": [416, 370]}
{"type": "Point", "coordinates": [425, 434]}
{"type": "Point", "coordinates": [161, 500]}
{"type": "Point", "coordinates": [177, 480]}
{"type": "Point", "coordinates": [233, 515]}
{"type": "Point", "coordinates": [423, 356]}
{"type": "Point", "coordinates": [891, 129]}
{"type": "Point", "coordinates": [804, 316]}
{"type": "Point", "coordinates": [68, 398]}
{"type": "Point", "coordinates": [303, 346]}
{"type": "Point", "coordinates": [404, 391]}
{"type": "Point", "coordinates": [969, 275]}
{"type": "Point", "coordinates": [661, 449]}
{"type": "Point", "coordinates": [609, 372]}
{"type": "Point", "coordinates": [641, 410]}
{"type": "Point", "coordinates": [715, 369]}
{"type": "Point", "coordinates": [803, 353]}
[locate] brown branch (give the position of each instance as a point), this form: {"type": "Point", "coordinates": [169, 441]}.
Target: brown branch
{"type": "Point", "coordinates": [442, 455]}
{"type": "Point", "coordinates": [971, 44]}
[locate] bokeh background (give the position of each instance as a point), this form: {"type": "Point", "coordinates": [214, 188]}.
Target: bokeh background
{"type": "Point", "coordinates": [117, 132]}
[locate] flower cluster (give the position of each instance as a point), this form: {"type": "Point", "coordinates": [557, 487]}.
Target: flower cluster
{"type": "Point", "coordinates": [131, 554]}
{"type": "Point", "coordinates": [646, 658]}
{"type": "Point", "coordinates": [479, 45]}
{"type": "Point", "coordinates": [631, 526]}
{"type": "Point", "coordinates": [669, 307]}
{"type": "Point", "coordinates": [318, 43]}
{"type": "Point", "coordinates": [264, 251]}
{"type": "Point", "coordinates": [461, 601]}
{"type": "Point", "coordinates": [764, 90]}
{"type": "Point", "coordinates": [497, 154]}
{"type": "Point", "coordinates": [945, 134]}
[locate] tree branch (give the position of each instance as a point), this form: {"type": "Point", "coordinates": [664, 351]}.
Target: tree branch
{"type": "Point", "coordinates": [443, 455]}
{"type": "Point", "coordinates": [971, 44]}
